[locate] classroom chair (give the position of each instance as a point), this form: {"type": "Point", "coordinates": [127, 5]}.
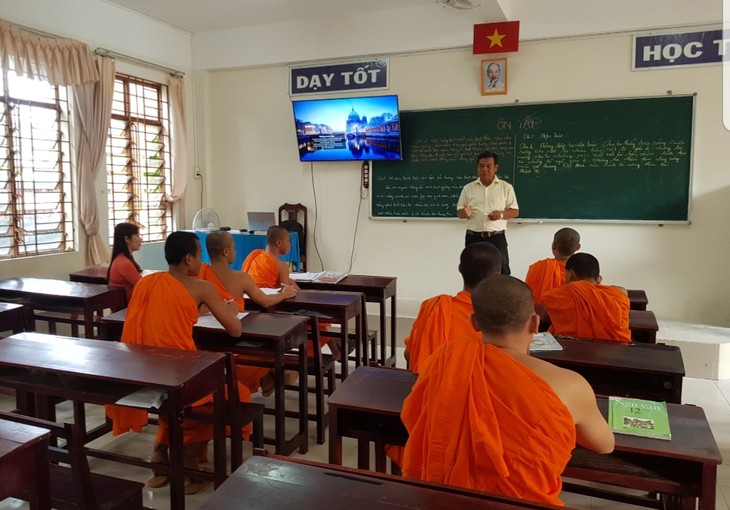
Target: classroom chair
{"type": "Point", "coordinates": [292, 223]}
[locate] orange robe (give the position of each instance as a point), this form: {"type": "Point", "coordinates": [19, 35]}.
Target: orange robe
{"type": "Point", "coordinates": [440, 319]}
{"type": "Point", "coordinates": [479, 419]}
{"type": "Point", "coordinates": [263, 268]}
{"type": "Point", "coordinates": [545, 275]}
{"type": "Point", "coordinates": [247, 375]}
{"type": "Point", "coordinates": [162, 313]}
{"type": "Point", "coordinates": [586, 310]}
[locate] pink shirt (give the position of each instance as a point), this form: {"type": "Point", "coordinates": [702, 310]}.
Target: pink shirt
{"type": "Point", "coordinates": [124, 274]}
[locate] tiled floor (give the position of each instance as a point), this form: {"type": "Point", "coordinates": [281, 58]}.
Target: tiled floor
{"type": "Point", "coordinates": [713, 396]}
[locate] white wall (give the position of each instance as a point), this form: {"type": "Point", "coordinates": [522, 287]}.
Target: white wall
{"type": "Point", "coordinates": [252, 164]}
{"type": "Point", "coordinates": [101, 24]}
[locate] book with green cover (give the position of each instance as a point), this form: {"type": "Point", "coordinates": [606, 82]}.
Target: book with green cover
{"type": "Point", "coordinates": [637, 417]}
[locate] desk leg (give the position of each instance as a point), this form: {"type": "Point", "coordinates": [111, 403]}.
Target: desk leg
{"type": "Point", "coordinates": [383, 335]}
{"type": "Point", "coordinates": [363, 454]}
{"type": "Point", "coordinates": [279, 409]}
{"type": "Point", "coordinates": [89, 323]}
{"type": "Point", "coordinates": [708, 488]}
{"type": "Point", "coordinates": [42, 496]}
{"type": "Point", "coordinates": [175, 449]}
{"type": "Point", "coordinates": [392, 328]}
{"type": "Point", "coordinates": [219, 434]}
{"type": "Point", "coordinates": [335, 440]}
{"type": "Point", "coordinates": [304, 394]}
{"type": "Point", "coordinates": [344, 355]}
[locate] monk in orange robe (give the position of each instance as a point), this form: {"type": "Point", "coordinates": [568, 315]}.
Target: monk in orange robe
{"type": "Point", "coordinates": [269, 271]}
{"type": "Point", "coordinates": [444, 317]}
{"type": "Point", "coordinates": [265, 266]}
{"type": "Point", "coordinates": [546, 274]}
{"type": "Point", "coordinates": [231, 285]}
{"type": "Point", "coordinates": [162, 313]}
{"type": "Point", "coordinates": [584, 308]}
{"type": "Point", "coordinates": [487, 416]}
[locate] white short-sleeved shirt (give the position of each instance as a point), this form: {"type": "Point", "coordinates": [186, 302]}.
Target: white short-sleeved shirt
{"type": "Point", "coordinates": [498, 196]}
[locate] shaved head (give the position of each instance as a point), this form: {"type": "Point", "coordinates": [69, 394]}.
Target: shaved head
{"type": "Point", "coordinates": [478, 261]}
{"type": "Point", "coordinates": [584, 266]}
{"type": "Point", "coordinates": [502, 304]}
{"type": "Point", "coordinates": [275, 234]}
{"type": "Point", "coordinates": [567, 241]}
{"type": "Point", "coordinates": [216, 242]}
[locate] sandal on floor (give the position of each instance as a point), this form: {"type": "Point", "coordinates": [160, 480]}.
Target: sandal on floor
{"type": "Point", "coordinates": [158, 481]}
{"type": "Point", "coordinates": [195, 486]}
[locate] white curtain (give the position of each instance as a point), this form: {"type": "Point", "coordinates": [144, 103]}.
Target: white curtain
{"type": "Point", "coordinates": [176, 89]}
{"type": "Point", "coordinates": [92, 109]}
{"type": "Point", "coordinates": [57, 61]}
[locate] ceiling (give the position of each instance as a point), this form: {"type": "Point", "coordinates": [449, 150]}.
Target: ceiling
{"type": "Point", "coordinates": [197, 16]}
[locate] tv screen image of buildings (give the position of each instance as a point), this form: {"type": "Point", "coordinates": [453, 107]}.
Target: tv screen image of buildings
{"type": "Point", "coordinates": [361, 128]}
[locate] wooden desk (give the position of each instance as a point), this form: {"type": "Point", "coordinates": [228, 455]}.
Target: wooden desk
{"type": "Point", "coordinates": [62, 296]}
{"type": "Point", "coordinates": [24, 463]}
{"type": "Point", "coordinates": [642, 324]}
{"type": "Point", "coordinates": [684, 468]}
{"type": "Point", "coordinates": [263, 483]}
{"type": "Point", "coordinates": [263, 333]}
{"type": "Point", "coordinates": [648, 371]}
{"type": "Point", "coordinates": [99, 373]}
{"type": "Point", "coordinates": [339, 307]}
{"type": "Point", "coordinates": [15, 318]}
{"type": "Point", "coordinates": [377, 289]}
{"type": "Point", "coordinates": [637, 299]}
{"type": "Point", "coordinates": [92, 274]}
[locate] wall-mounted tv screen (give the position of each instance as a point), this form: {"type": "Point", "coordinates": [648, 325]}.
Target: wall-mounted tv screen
{"type": "Point", "coordinates": [356, 128]}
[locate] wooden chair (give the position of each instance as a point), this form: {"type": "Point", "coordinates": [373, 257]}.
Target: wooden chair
{"type": "Point", "coordinates": [74, 486]}
{"type": "Point", "coordinates": [238, 414]}
{"type": "Point", "coordinates": [292, 223]}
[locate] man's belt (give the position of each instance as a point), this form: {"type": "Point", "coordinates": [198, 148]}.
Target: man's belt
{"type": "Point", "coordinates": [484, 234]}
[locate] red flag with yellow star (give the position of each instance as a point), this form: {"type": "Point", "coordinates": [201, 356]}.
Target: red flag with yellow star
{"type": "Point", "coordinates": [496, 37]}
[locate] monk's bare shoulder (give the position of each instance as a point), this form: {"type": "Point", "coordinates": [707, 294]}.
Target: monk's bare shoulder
{"type": "Point", "coordinates": [568, 385]}
{"type": "Point", "coordinates": [199, 288]}
{"type": "Point", "coordinates": [621, 290]}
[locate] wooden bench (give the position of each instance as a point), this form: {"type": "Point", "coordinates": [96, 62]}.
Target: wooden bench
{"type": "Point", "coordinates": [75, 486]}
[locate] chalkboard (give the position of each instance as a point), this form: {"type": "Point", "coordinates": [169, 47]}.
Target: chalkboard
{"type": "Point", "coordinates": [614, 160]}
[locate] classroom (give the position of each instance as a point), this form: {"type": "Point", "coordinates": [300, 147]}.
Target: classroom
{"type": "Point", "coordinates": [242, 153]}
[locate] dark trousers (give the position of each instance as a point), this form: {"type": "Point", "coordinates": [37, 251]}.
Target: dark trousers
{"type": "Point", "coordinates": [499, 241]}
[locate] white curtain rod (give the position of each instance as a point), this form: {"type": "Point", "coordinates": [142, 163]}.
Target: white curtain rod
{"type": "Point", "coordinates": [120, 56]}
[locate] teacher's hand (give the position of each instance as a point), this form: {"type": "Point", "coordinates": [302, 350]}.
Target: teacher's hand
{"type": "Point", "coordinates": [467, 211]}
{"type": "Point", "coordinates": [494, 215]}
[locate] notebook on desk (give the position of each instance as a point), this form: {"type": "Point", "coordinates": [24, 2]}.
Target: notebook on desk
{"type": "Point", "coordinates": [323, 277]}
{"type": "Point", "coordinates": [260, 221]}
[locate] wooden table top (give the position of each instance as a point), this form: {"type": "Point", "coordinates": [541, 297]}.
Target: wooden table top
{"type": "Point", "coordinates": [53, 288]}
{"type": "Point", "coordinates": [381, 287]}
{"type": "Point", "coordinates": [110, 361]}
{"type": "Point", "coordinates": [263, 483]}
{"type": "Point", "coordinates": [15, 436]}
{"type": "Point", "coordinates": [656, 358]}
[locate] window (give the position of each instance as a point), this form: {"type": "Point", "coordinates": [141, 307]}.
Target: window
{"type": "Point", "coordinates": [36, 206]}
{"type": "Point", "coordinates": [138, 158]}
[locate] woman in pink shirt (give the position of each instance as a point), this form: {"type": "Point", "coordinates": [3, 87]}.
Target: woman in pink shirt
{"type": "Point", "coordinates": [123, 269]}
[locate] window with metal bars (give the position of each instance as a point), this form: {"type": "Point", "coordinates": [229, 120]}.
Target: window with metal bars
{"type": "Point", "coordinates": [36, 196]}
{"type": "Point", "coordinates": [138, 158]}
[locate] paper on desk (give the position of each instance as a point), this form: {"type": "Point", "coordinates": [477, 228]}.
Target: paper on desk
{"type": "Point", "coordinates": [145, 398]}
{"type": "Point", "coordinates": [303, 277]}
{"type": "Point", "coordinates": [208, 320]}
{"type": "Point", "coordinates": [544, 342]}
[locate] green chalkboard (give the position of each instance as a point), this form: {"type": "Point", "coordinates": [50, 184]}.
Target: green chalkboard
{"type": "Point", "coordinates": [615, 160]}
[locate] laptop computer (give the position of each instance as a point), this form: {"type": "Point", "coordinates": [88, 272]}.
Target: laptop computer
{"type": "Point", "coordinates": [260, 221]}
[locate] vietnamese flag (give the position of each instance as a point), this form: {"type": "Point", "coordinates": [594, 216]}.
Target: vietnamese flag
{"type": "Point", "coordinates": [496, 37]}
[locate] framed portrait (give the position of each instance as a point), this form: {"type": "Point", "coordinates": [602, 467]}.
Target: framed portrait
{"type": "Point", "coordinates": [494, 76]}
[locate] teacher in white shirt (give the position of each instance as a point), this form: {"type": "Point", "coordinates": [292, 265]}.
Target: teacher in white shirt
{"type": "Point", "coordinates": [486, 204]}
